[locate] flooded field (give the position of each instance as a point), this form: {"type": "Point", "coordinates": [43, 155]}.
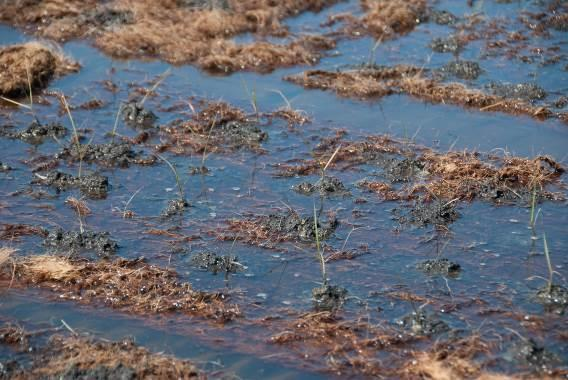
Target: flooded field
{"type": "Point", "coordinates": [294, 189]}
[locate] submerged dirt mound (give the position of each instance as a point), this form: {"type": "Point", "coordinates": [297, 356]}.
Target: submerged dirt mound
{"type": "Point", "coordinates": [177, 32]}
{"type": "Point", "coordinates": [61, 356]}
{"type": "Point", "coordinates": [211, 262]}
{"type": "Point", "coordinates": [290, 226]}
{"type": "Point", "coordinates": [73, 242]}
{"type": "Point", "coordinates": [92, 185]}
{"type": "Point", "coordinates": [36, 133]}
{"type": "Point", "coordinates": [110, 154]}
{"type": "Point", "coordinates": [325, 186]}
{"type": "Point", "coordinates": [129, 285]}
{"type": "Point", "coordinates": [31, 64]}
{"type": "Point", "coordinates": [382, 81]}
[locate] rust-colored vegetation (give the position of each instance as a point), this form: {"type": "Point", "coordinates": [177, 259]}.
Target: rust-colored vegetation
{"type": "Point", "coordinates": [65, 356]}
{"type": "Point", "coordinates": [31, 64]}
{"type": "Point", "coordinates": [380, 81]}
{"type": "Point", "coordinates": [129, 285]}
{"type": "Point", "coordinates": [178, 32]}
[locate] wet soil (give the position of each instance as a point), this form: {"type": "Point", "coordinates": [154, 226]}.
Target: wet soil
{"type": "Point", "coordinates": [531, 354]}
{"type": "Point", "coordinates": [91, 185]}
{"type": "Point", "coordinates": [36, 133]}
{"type": "Point", "coordinates": [422, 323]}
{"type": "Point", "coordinates": [109, 154]}
{"type": "Point", "coordinates": [325, 186]}
{"type": "Point", "coordinates": [554, 298]}
{"type": "Point", "coordinates": [442, 266]}
{"type": "Point", "coordinates": [429, 213]}
{"type": "Point", "coordinates": [451, 44]}
{"type": "Point", "coordinates": [524, 91]}
{"type": "Point", "coordinates": [176, 207]}
{"type": "Point", "coordinates": [329, 297]}
{"type": "Point", "coordinates": [4, 167]}
{"type": "Point", "coordinates": [469, 70]}
{"type": "Point", "coordinates": [137, 116]}
{"type": "Point", "coordinates": [73, 242]}
{"type": "Point", "coordinates": [210, 261]}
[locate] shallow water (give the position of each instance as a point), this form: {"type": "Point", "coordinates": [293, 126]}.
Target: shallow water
{"type": "Point", "coordinates": [491, 243]}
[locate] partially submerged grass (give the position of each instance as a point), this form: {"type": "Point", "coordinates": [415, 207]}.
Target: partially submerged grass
{"type": "Point", "coordinates": [31, 66]}
{"type": "Point", "coordinates": [129, 285]}
{"type": "Point", "coordinates": [62, 356]}
{"type": "Point", "coordinates": [380, 81]}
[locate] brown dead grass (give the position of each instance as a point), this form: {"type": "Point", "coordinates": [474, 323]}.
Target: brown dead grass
{"type": "Point", "coordinates": [43, 63]}
{"type": "Point", "coordinates": [129, 285]}
{"type": "Point", "coordinates": [378, 82]}
{"type": "Point", "coordinates": [15, 231]}
{"type": "Point", "coordinates": [63, 355]}
{"type": "Point", "coordinates": [175, 33]}
{"type": "Point", "coordinates": [383, 190]}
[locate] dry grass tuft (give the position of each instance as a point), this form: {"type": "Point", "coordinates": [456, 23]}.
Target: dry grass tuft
{"type": "Point", "coordinates": [129, 285]}
{"type": "Point", "coordinates": [15, 231]}
{"type": "Point", "coordinates": [43, 62]}
{"type": "Point", "coordinates": [175, 32]}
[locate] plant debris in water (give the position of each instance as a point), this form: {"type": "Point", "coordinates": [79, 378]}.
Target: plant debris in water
{"type": "Point", "coordinates": [214, 263]}
{"type": "Point", "coordinates": [110, 154]}
{"type": "Point", "coordinates": [325, 186]}
{"type": "Point", "coordinates": [40, 61]}
{"type": "Point", "coordinates": [137, 116]}
{"type": "Point", "coordinates": [282, 227]}
{"type": "Point", "coordinates": [328, 297]}
{"type": "Point", "coordinates": [529, 353]}
{"type": "Point", "coordinates": [92, 185]}
{"type": "Point", "coordinates": [442, 266]}
{"type": "Point", "coordinates": [60, 356]}
{"type": "Point", "coordinates": [129, 285]}
{"type": "Point", "coordinates": [463, 69]}
{"type": "Point", "coordinates": [554, 298]}
{"type": "Point", "coordinates": [451, 44]}
{"type": "Point", "coordinates": [74, 242]}
{"type": "Point", "coordinates": [36, 133]}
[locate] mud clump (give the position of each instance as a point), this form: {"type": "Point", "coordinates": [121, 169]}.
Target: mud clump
{"type": "Point", "coordinates": [36, 133]}
{"type": "Point", "coordinates": [238, 134]}
{"type": "Point", "coordinates": [443, 267]}
{"type": "Point", "coordinates": [404, 170]}
{"type": "Point", "coordinates": [529, 353]}
{"type": "Point", "coordinates": [75, 242]}
{"type": "Point", "coordinates": [524, 91]}
{"type": "Point", "coordinates": [435, 213]}
{"type": "Point", "coordinates": [443, 17]}
{"type": "Point", "coordinates": [325, 186]}
{"type": "Point", "coordinates": [43, 63]}
{"type": "Point", "coordinates": [92, 185]}
{"type": "Point", "coordinates": [129, 285]}
{"type": "Point", "coordinates": [111, 154]}
{"type": "Point", "coordinates": [328, 297]}
{"type": "Point", "coordinates": [554, 298]}
{"type": "Point", "coordinates": [450, 44]}
{"type": "Point", "coordinates": [421, 323]}
{"type": "Point", "coordinates": [468, 70]}
{"type": "Point", "coordinates": [214, 263]}
{"type": "Point", "coordinates": [175, 207]}
{"type": "Point", "coordinates": [135, 115]}
{"type": "Point", "coordinates": [4, 167]}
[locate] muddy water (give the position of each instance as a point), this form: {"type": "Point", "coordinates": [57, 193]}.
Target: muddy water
{"type": "Point", "coordinates": [501, 266]}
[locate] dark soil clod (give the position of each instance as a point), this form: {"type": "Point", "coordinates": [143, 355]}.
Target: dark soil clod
{"type": "Point", "coordinates": [450, 44]}
{"type": "Point", "coordinates": [524, 91]}
{"type": "Point", "coordinates": [238, 134]}
{"type": "Point", "coordinates": [325, 186]}
{"type": "Point", "coordinates": [529, 353]}
{"type": "Point", "coordinates": [403, 170]}
{"type": "Point", "coordinates": [293, 226]}
{"type": "Point", "coordinates": [439, 267]}
{"type": "Point", "coordinates": [421, 323]}
{"type": "Point", "coordinates": [36, 133]}
{"type": "Point", "coordinates": [73, 242]}
{"type": "Point", "coordinates": [329, 297]}
{"type": "Point", "coordinates": [137, 116]}
{"type": "Point", "coordinates": [214, 263]}
{"type": "Point", "coordinates": [92, 185]}
{"type": "Point", "coordinates": [4, 167]}
{"type": "Point", "coordinates": [468, 70]}
{"type": "Point", "coordinates": [443, 17]}
{"type": "Point", "coordinates": [553, 298]}
{"type": "Point", "coordinates": [437, 213]}
{"type": "Point", "coordinates": [175, 207]}
{"type": "Point", "coordinates": [111, 154]}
